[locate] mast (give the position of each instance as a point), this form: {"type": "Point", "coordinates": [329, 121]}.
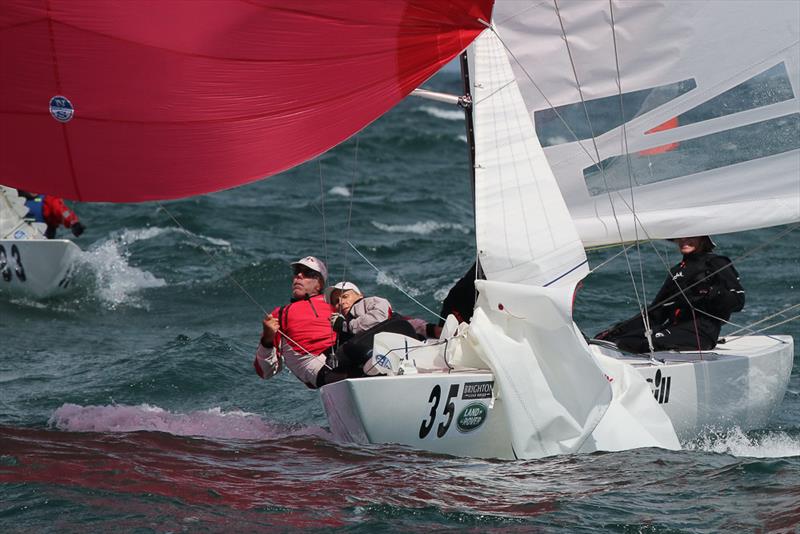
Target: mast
{"type": "Point", "coordinates": [466, 103]}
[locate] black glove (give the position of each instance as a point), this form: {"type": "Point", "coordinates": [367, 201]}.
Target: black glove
{"type": "Point", "coordinates": [77, 229]}
{"type": "Point", "coordinates": [337, 322]}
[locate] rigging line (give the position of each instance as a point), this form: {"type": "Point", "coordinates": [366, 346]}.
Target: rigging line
{"type": "Point", "coordinates": [612, 258]}
{"type": "Point", "coordinates": [776, 324]}
{"type": "Point", "coordinates": [324, 226]}
{"type": "Point", "coordinates": [741, 328]}
{"type": "Point", "coordinates": [544, 96]}
{"type": "Point", "coordinates": [626, 152]}
{"type": "Point", "coordinates": [767, 318]}
{"type": "Point", "coordinates": [597, 153]}
{"type": "Point", "coordinates": [236, 282]}
{"type": "Point", "coordinates": [350, 210]}
{"type": "Point", "coordinates": [396, 285]}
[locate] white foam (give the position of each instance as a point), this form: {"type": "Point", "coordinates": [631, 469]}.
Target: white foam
{"type": "Point", "coordinates": [387, 280]}
{"type": "Point", "coordinates": [340, 190]}
{"type": "Point", "coordinates": [462, 137]}
{"type": "Point", "coordinates": [212, 423]}
{"type": "Point", "coordinates": [116, 281]}
{"type": "Point", "coordinates": [420, 228]}
{"type": "Point", "coordinates": [447, 114]}
{"type": "Point", "coordinates": [774, 444]}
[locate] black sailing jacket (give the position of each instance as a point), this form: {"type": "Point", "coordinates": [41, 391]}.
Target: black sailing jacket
{"type": "Point", "coordinates": [707, 282]}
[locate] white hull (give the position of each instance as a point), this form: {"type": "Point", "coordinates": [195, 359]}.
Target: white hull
{"type": "Point", "coordinates": [36, 267]}
{"type": "Point", "coordinates": [739, 384]}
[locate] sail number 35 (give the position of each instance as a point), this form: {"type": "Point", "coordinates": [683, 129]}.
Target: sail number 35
{"type": "Point", "coordinates": [448, 412]}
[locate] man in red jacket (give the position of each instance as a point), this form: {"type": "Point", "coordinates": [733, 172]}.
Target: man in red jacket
{"type": "Point", "coordinates": [53, 212]}
{"type": "Point", "coordinates": [299, 334]}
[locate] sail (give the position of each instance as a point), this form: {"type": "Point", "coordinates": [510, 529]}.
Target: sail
{"type": "Point", "coordinates": [135, 101]}
{"type": "Point", "coordinates": [523, 229]}
{"type": "Point", "coordinates": [684, 113]}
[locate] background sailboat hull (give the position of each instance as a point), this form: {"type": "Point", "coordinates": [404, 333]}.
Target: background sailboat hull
{"type": "Point", "coordinates": [36, 267]}
{"type": "Point", "coordinates": [738, 385]}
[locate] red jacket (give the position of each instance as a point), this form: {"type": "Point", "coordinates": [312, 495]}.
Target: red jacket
{"type": "Point", "coordinates": [307, 323]}
{"type": "Point", "coordinates": [56, 213]}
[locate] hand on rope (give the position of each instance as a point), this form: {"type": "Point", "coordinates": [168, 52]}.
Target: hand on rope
{"type": "Point", "coordinates": [337, 321]}
{"type": "Point", "coordinates": [270, 327]}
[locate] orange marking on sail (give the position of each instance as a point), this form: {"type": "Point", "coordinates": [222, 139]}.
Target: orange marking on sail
{"type": "Point", "coordinates": [672, 123]}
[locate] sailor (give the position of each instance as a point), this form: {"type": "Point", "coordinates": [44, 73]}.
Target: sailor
{"type": "Point", "coordinates": [357, 320]}
{"type": "Point", "coordinates": [460, 300]}
{"type": "Point", "coordinates": [53, 212]}
{"type": "Point", "coordinates": [299, 334]}
{"type": "Point", "coordinates": [699, 294]}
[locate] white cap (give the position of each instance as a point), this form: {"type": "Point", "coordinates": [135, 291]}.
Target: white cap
{"type": "Point", "coordinates": [315, 264]}
{"type": "Point", "coordinates": [341, 286]}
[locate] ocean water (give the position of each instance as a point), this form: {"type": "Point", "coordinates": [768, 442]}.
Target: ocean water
{"type": "Point", "coordinates": [130, 403]}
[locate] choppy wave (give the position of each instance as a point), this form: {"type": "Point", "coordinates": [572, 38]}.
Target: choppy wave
{"type": "Point", "coordinates": [384, 279]}
{"type": "Point", "coordinates": [340, 190]}
{"type": "Point", "coordinates": [420, 228]}
{"type": "Point", "coordinates": [447, 114]}
{"type": "Point", "coordinates": [213, 423]}
{"type": "Point", "coordinates": [116, 281]}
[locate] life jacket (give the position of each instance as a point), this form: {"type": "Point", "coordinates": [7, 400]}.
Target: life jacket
{"type": "Point", "coordinates": [35, 208]}
{"type": "Point", "coordinates": [307, 323]}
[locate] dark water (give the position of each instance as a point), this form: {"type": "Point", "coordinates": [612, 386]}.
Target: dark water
{"type": "Point", "coordinates": [130, 404]}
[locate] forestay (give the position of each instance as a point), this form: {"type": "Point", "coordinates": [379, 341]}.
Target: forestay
{"type": "Point", "coordinates": [686, 112]}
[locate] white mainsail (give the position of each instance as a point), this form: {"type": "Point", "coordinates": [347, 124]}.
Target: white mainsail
{"type": "Point", "coordinates": [710, 96]}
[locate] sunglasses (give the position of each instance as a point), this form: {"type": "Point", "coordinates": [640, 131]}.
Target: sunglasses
{"type": "Point", "coordinates": [306, 272]}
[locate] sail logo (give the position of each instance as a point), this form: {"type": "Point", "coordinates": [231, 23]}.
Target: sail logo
{"type": "Point", "coordinates": [471, 417]}
{"type": "Point", "coordinates": [61, 109]}
{"type": "Point", "coordinates": [661, 385]}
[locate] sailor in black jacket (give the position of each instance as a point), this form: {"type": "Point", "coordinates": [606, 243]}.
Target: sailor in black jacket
{"type": "Point", "coordinates": [687, 313]}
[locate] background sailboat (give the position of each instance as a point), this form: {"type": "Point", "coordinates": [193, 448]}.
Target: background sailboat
{"type": "Point", "coordinates": [30, 264]}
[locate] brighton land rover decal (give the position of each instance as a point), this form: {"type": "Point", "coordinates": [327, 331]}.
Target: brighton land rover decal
{"type": "Point", "coordinates": [471, 417]}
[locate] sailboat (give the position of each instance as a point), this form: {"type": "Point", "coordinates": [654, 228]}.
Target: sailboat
{"type": "Point", "coordinates": [521, 381]}
{"type": "Point", "coordinates": [233, 97]}
{"type": "Point", "coordinates": [30, 264]}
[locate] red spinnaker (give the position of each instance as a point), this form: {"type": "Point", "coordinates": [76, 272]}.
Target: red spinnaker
{"type": "Point", "coordinates": [132, 101]}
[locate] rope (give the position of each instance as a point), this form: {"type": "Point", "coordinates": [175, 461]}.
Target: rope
{"type": "Point", "coordinates": [403, 291]}
{"type": "Point", "coordinates": [236, 282]}
{"type": "Point", "coordinates": [350, 210]}
{"type": "Point", "coordinates": [322, 212]}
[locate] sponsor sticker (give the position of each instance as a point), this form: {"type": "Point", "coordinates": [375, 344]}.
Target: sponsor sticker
{"type": "Point", "coordinates": [20, 234]}
{"type": "Point", "coordinates": [477, 390]}
{"type": "Point", "coordinates": [383, 361]}
{"type": "Point", "coordinates": [61, 108]}
{"type": "Point", "coordinates": [471, 417]}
